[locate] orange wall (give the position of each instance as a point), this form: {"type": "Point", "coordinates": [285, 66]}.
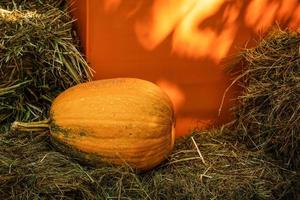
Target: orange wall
{"type": "Point", "coordinates": [147, 40]}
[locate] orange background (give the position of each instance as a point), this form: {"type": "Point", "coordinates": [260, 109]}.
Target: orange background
{"type": "Point", "coordinates": [178, 44]}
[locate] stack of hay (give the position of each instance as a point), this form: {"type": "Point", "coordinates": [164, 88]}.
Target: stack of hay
{"type": "Point", "coordinates": [39, 59]}
{"type": "Point", "coordinates": [268, 111]}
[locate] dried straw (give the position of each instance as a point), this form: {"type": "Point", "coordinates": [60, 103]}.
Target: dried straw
{"type": "Point", "coordinates": [268, 110]}
{"type": "Point", "coordinates": [39, 58]}
{"type": "Point", "coordinates": [30, 168]}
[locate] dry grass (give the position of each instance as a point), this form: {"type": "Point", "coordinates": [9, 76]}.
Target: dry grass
{"type": "Point", "coordinates": [31, 168]}
{"type": "Point", "coordinates": [268, 110]}
{"type": "Point", "coordinates": [39, 58]}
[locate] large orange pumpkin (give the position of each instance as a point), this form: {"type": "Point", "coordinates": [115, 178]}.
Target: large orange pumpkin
{"type": "Point", "coordinates": [121, 120]}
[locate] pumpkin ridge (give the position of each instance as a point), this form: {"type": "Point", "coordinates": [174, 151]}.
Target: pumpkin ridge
{"type": "Point", "coordinates": [156, 122]}
{"type": "Point", "coordinates": [95, 159]}
{"type": "Point", "coordinates": [144, 145]}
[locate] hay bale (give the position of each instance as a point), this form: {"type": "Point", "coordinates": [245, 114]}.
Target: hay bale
{"type": "Point", "coordinates": [31, 4]}
{"type": "Point", "coordinates": [30, 168]}
{"type": "Point", "coordinates": [268, 110]}
{"type": "Point", "coordinates": [39, 58]}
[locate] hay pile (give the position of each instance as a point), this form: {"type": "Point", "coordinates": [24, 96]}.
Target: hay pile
{"type": "Point", "coordinates": [30, 168]}
{"type": "Point", "coordinates": [268, 111]}
{"type": "Point", "coordinates": [39, 58]}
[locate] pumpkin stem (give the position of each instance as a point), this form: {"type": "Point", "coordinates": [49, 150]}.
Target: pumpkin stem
{"type": "Point", "coordinates": [31, 126]}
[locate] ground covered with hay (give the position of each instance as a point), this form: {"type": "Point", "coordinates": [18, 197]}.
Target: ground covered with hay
{"type": "Point", "coordinates": [31, 168]}
{"type": "Point", "coordinates": [254, 157]}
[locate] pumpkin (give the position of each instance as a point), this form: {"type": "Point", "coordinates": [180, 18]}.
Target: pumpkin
{"type": "Point", "coordinates": [122, 120]}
